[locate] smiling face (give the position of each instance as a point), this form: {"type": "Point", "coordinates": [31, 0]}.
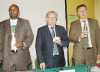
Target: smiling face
{"type": "Point", "coordinates": [13, 12]}
{"type": "Point", "coordinates": [51, 19]}
{"type": "Point", "coordinates": [82, 12]}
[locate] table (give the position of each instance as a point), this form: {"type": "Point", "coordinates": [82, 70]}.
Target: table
{"type": "Point", "coordinates": [81, 68]}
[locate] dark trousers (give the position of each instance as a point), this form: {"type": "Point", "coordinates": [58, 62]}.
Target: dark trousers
{"type": "Point", "coordinates": [56, 61]}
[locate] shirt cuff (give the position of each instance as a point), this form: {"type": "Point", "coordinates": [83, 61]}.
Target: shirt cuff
{"type": "Point", "coordinates": [79, 39]}
{"type": "Point", "coordinates": [24, 45]}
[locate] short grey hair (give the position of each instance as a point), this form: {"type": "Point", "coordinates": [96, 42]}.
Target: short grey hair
{"type": "Point", "coordinates": [52, 12]}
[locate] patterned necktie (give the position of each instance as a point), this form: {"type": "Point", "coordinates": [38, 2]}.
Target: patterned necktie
{"type": "Point", "coordinates": [55, 49]}
{"type": "Point", "coordinates": [85, 40]}
{"type": "Point", "coordinates": [85, 26]}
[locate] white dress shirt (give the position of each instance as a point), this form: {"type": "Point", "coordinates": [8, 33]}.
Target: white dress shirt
{"type": "Point", "coordinates": [82, 26]}
{"type": "Point", "coordinates": [13, 29]}
{"type": "Point", "coordinates": [51, 29]}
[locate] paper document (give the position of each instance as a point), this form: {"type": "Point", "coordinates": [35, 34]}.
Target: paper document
{"type": "Point", "coordinates": [73, 70]}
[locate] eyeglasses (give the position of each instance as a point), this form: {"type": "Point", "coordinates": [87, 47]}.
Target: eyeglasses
{"type": "Point", "coordinates": [54, 18]}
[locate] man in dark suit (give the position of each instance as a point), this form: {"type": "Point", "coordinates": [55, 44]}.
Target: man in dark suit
{"type": "Point", "coordinates": [85, 33]}
{"type": "Point", "coordinates": [18, 37]}
{"type": "Point", "coordinates": [50, 41]}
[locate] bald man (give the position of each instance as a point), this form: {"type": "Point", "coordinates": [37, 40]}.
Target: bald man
{"type": "Point", "coordinates": [18, 37]}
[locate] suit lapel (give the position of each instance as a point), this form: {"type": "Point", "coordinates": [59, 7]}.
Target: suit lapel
{"type": "Point", "coordinates": [48, 33]}
{"type": "Point", "coordinates": [90, 26]}
{"type": "Point", "coordinates": [78, 26]}
{"type": "Point", "coordinates": [57, 31]}
{"type": "Point", "coordinates": [91, 29]}
{"type": "Point", "coordinates": [18, 27]}
{"type": "Point", "coordinates": [8, 26]}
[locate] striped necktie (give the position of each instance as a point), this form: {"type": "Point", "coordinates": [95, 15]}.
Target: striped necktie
{"type": "Point", "coordinates": [55, 49]}
{"type": "Point", "coordinates": [85, 40]}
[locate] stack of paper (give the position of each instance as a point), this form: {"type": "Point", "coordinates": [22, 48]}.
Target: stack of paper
{"type": "Point", "coordinates": [95, 69]}
{"type": "Point", "coordinates": [72, 70]}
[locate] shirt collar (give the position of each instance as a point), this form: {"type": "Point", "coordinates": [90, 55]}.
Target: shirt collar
{"type": "Point", "coordinates": [13, 20]}
{"type": "Point", "coordinates": [82, 20]}
{"type": "Point", "coordinates": [51, 26]}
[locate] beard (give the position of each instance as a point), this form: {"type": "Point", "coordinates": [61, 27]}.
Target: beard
{"type": "Point", "coordinates": [13, 17]}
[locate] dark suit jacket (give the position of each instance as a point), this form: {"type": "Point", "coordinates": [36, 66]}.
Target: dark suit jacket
{"type": "Point", "coordinates": [44, 45]}
{"type": "Point", "coordinates": [75, 31]}
{"type": "Point", "coordinates": [23, 33]}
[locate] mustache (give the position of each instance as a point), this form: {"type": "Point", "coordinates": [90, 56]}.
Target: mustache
{"type": "Point", "coordinates": [12, 14]}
